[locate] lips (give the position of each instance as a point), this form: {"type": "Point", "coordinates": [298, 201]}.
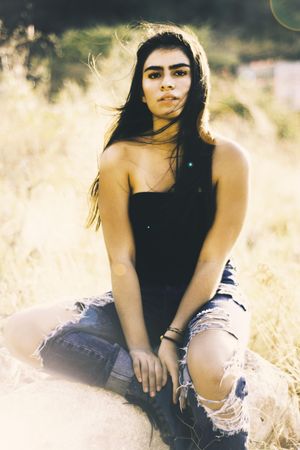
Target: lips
{"type": "Point", "coordinates": [167, 98]}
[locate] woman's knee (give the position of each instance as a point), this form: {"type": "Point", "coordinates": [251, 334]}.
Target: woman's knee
{"type": "Point", "coordinates": [19, 334]}
{"type": "Point", "coordinates": [218, 381]}
{"type": "Point", "coordinates": [24, 331]}
{"type": "Point", "coordinates": [210, 356]}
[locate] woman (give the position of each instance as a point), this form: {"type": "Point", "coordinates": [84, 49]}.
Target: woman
{"type": "Point", "coordinates": [172, 200]}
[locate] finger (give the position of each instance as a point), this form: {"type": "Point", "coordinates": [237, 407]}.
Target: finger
{"type": "Point", "coordinates": [145, 376]}
{"type": "Point", "coordinates": [164, 375]}
{"type": "Point", "coordinates": [137, 369]}
{"type": "Point", "coordinates": [152, 377]}
{"type": "Point", "coordinates": [158, 375]}
{"type": "Point", "coordinates": [175, 381]}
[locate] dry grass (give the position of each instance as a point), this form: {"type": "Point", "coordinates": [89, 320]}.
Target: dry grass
{"type": "Point", "coordinates": [49, 157]}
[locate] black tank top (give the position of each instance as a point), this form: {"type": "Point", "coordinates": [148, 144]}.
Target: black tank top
{"type": "Point", "coordinates": [169, 230]}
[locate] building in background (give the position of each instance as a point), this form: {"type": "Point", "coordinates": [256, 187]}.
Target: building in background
{"type": "Point", "coordinates": [282, 76]}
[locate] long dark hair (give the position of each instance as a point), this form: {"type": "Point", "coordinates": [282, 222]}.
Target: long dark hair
{"type": "Point", "coordinates": [193, 140]}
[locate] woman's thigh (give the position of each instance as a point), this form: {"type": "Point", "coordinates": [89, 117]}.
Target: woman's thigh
{"type": "Point", "coordinates": [222, 312]}
{"type": "Point", "coordinates": [28, 331]}
{"type": "Point", "coordinates": [96, 316]}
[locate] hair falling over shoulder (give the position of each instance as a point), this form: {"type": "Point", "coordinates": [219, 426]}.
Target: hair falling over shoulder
{"type": "Point", "coordinates": [134, 120]}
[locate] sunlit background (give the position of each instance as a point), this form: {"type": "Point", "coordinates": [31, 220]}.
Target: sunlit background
{"type": "Point", "coordinates": [54, 111]}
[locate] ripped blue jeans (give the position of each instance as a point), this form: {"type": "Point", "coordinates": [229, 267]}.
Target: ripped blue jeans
{"type": "Point", "coordinates": [93, 341]}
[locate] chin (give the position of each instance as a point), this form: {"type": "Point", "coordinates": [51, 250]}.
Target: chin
{"type": "Point", "coordinates": [170, 116]}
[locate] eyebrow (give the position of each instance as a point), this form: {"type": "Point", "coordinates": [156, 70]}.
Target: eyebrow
{"type": "Point", "coordinates": [174, 66]}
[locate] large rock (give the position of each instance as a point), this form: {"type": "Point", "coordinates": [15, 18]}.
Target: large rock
{"type": "Point", "coordinates": [274, 410]}
{"type": "Point", "coordinates": [39, 412]}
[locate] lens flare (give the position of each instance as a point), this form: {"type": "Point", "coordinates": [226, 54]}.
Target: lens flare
{"type": "Point", "coordinates": [287, 13]}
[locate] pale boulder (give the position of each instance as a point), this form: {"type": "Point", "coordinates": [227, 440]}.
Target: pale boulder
{"type": "Point", "coordinates": [274, 410]}
{"type": "Point", "coordinates": [40, 412]}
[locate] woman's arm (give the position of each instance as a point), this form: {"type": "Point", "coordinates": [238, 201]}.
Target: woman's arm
{"type": "Point", "coordinates": [113, 205]}
{"type": "Point", "coordinates": [231, 172]}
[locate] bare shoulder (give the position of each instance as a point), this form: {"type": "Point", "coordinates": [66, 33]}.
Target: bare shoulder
{"type": "Point", "coordinates": [120, 156]}
{"type": "Point", "coordinates": [114, 156]}
{"type": "Point", "coordinates": [230, 158]}
{"type": "Point", "coordinates": [114, 169]}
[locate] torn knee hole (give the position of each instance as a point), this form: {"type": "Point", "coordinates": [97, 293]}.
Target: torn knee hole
{"type": "Point", "coordinates": [230, 414]}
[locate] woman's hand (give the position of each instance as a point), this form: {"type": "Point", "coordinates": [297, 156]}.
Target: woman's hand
{"type": "Point", "coordinates": [168, 356]}
{"type": "Point", "coordinates": [148, 370]}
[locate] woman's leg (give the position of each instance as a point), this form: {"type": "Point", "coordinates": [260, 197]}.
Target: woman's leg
{"type": "Point", "coordinates": [89, 346]}
{"type": "Point", "coordinates": [83, 341]}
{"type": "Point", "coordinates": [25, 330]}
{"type": "Point", "coordinates": [90, 349]}
{"type": "Point", "coordinates": [212, 375]}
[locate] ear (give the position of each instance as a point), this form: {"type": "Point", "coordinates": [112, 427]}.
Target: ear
{"type": "Point", "coordinates": [143, 99]}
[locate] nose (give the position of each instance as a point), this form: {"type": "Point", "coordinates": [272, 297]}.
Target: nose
{"type": "Point", "coordinates": [167, 83]}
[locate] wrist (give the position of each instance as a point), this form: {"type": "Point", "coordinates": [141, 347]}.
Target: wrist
{"type": "Point", "coordinates": [176, 331]}
{"type": "Point", "coordinates": [141, 348]}
{"type": "Point", "coordinates": [173, 335]}
{"type": "Point", "coordinates": [171, 340]}
{"type": "Point", "coordinates": [178, 324]}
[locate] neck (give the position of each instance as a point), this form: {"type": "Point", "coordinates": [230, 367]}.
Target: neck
{"type": "Point", "coordinates": [167, 137]}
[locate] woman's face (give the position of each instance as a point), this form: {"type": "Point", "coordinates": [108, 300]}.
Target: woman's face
{"type": "Point", "coordinates": [166, 82]}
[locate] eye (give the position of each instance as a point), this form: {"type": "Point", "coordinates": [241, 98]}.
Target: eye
{"type": "Point", "coordinates": [180, 73]}
{"type": "Point", "coordinates": [154, 75]}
